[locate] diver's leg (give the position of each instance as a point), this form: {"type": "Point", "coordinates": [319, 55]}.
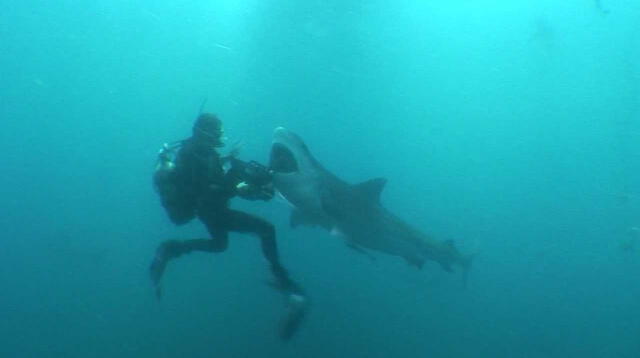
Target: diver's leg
{"type": "Point", "coordinates": [245, 223]}
{"type": "Point", "coordinates": [171, 249]}
{"type": "Point", "coordinates": [296, 301]}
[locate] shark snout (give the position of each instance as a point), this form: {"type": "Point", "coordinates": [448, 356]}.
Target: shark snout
{"type": "Point", "coordinates": [282, 158]}
{"type": "Point", "coordinates": [279, 131]}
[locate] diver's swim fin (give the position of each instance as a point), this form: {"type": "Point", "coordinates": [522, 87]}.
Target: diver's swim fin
{"type": "Point", "coordinates": [158, 265]}
{"type": "Point", "coordinates": [297, 306]}
{"type": "Point", "coordinates": [155, 272]}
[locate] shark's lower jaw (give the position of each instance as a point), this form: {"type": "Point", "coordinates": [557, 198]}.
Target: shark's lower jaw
{"type": "Point", "coordinates": [282, 159]}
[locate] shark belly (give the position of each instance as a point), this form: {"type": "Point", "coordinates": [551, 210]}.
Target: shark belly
{"type": "Point", "coordinates": [382, 232]}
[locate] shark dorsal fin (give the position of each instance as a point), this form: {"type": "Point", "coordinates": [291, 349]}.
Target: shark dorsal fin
{"type": "Point", "coordinates": [372, 188]}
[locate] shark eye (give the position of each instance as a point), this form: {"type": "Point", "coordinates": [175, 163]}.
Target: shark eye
{"type": "Point", "coordinates": [282, 160]}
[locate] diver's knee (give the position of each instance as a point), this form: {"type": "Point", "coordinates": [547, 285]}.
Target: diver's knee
{"type": "Point", "coordinates": [169, 249]}
{"type": "Point", "coordinates": [268, 231]}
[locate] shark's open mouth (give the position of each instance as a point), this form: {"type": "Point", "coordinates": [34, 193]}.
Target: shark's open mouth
{"type": "Point", "coordinates": [282, 160]}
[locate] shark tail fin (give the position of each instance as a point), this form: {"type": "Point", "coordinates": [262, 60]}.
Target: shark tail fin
{"type": "Point", "coordinates": [466, 262]}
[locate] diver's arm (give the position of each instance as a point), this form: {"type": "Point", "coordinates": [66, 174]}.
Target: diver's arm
{"type": "Point", "coordinates": [250, 180]}
{"type": "Point", "coordinates": [252, 192]}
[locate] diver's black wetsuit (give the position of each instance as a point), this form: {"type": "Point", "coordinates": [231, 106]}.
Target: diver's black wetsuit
{"type": "Point", "coordinates": [198, 186]}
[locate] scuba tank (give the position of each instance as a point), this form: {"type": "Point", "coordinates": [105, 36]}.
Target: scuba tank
{"type": "Point", "coordinates": [179, 207]}
{"type": "Point", "coordinates": [167, 155]}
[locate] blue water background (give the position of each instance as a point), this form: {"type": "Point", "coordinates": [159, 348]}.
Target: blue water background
{"type": "Point", "coordinates": [511, 127]}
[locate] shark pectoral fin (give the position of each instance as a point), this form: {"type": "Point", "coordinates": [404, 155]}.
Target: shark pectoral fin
{"type": "Point", "coordinates": [360, 250]}
{"type": "Point", "coordinates": [371, 189]}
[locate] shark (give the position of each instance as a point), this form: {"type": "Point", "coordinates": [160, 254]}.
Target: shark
{"type": "Point", "coordinates": [352, 211]}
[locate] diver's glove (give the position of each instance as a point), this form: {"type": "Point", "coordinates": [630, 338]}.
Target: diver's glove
{"type": "Point", "coordinates": [255, 192]}
{"type": "Point", "coordinates": [243, 187]}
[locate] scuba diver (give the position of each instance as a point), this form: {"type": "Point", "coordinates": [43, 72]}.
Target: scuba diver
{"type": "Point", "coordinates": [191, 180]}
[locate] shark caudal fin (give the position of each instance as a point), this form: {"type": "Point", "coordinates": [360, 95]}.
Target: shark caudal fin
{"type": "Point", "coordinates": [465, 262]}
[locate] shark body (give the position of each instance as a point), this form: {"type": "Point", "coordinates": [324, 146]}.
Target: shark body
{"type": "Point", "coordinates": [320, 198]}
